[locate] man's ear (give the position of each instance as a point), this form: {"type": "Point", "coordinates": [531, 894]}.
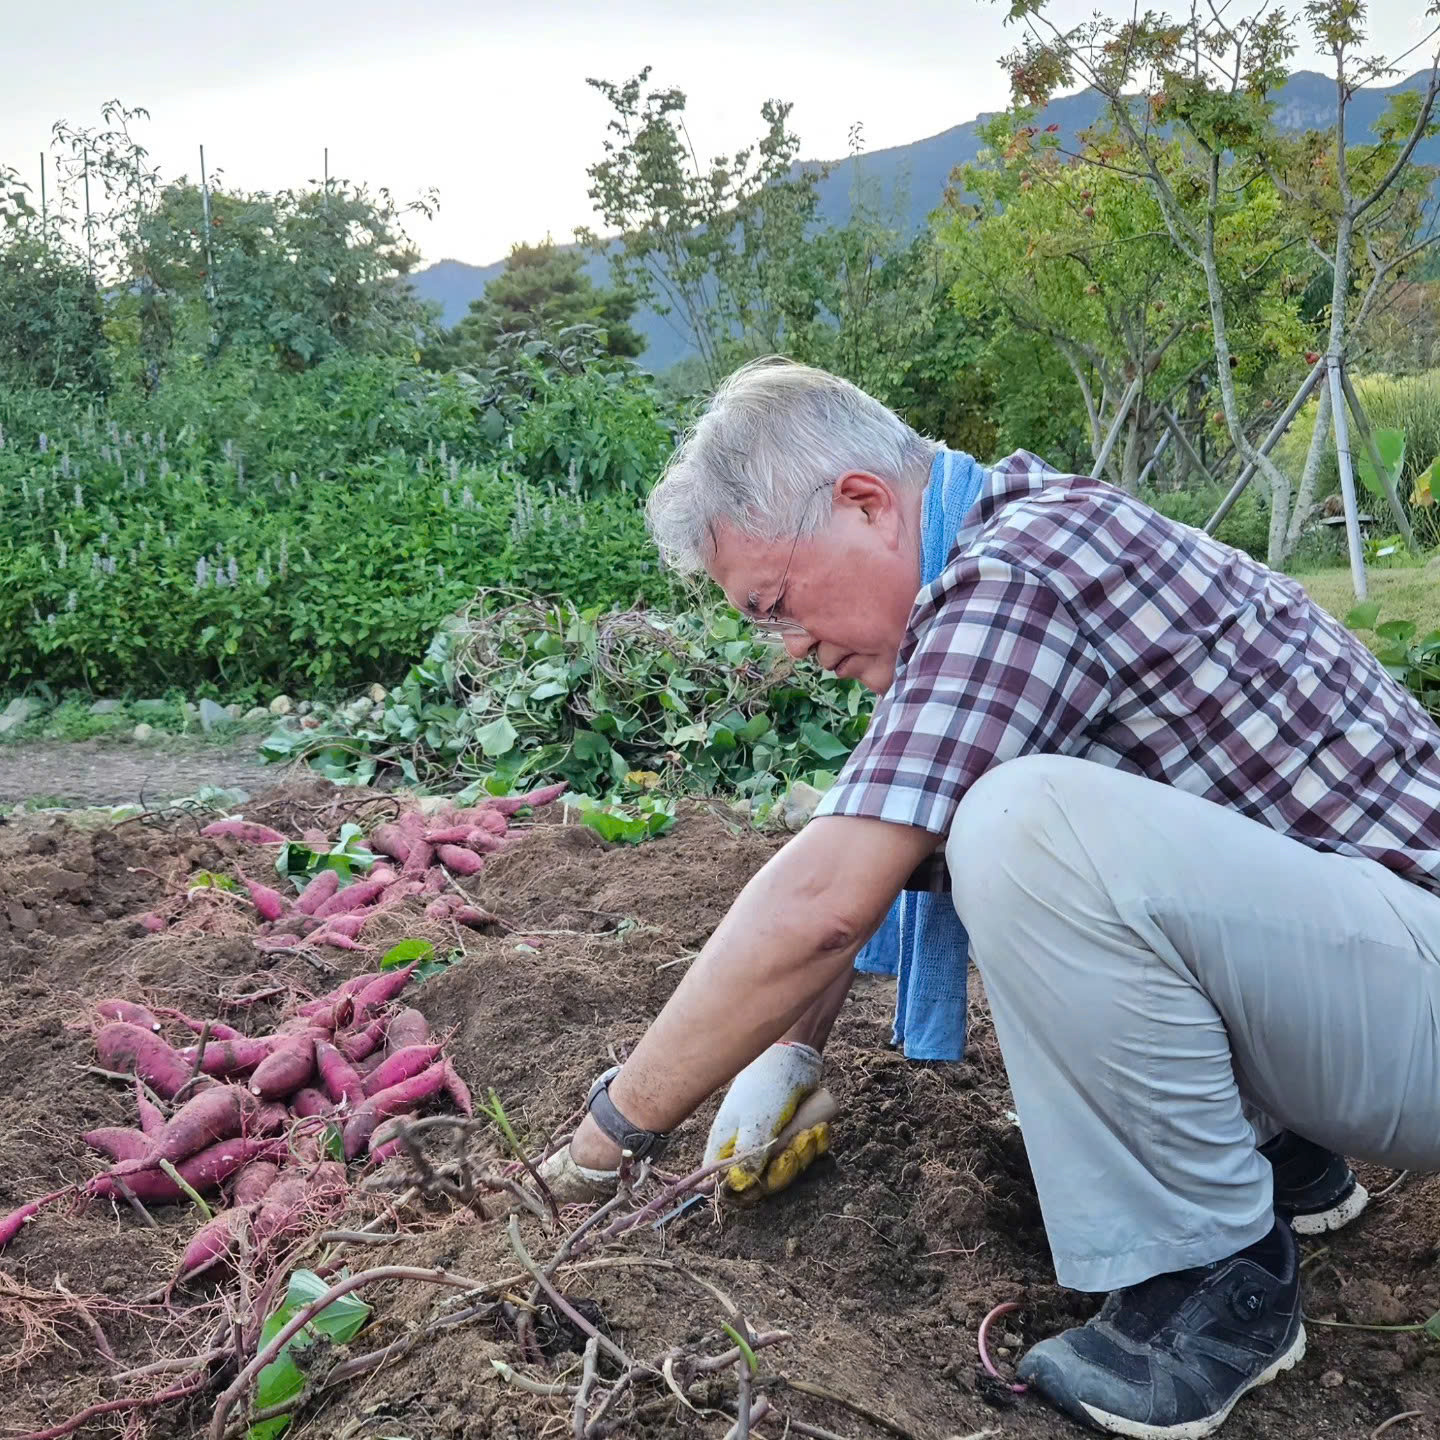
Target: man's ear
{"type": "Point", "coordinates": [866, 492]}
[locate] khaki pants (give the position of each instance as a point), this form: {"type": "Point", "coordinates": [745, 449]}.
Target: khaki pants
{"type": "Point", "coordinates": [1162, 972]}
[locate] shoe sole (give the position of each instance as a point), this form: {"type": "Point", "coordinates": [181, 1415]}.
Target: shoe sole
{"type": "Point", "coordinates": [1207, 1424]}
{"type": "Point", "coordinates": [1336, 1217]}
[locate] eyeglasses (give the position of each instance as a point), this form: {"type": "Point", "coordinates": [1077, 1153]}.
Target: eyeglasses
{"type": "Point", "coordinates": [770, 623]}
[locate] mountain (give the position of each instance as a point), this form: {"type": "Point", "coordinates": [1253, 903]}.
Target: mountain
{"type": "Point", "coordinates": [917, 174]}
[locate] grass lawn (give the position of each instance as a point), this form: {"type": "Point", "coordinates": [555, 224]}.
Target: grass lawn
{"type": "Point", "coordinates": [1409, 592]}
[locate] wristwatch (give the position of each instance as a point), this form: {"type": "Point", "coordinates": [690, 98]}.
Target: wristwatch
{"type": "Point", "coordinates": [603, 1110]}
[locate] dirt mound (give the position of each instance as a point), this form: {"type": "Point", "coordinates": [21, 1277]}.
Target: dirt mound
{"type": "Point", "coordinates": [880, 1263]}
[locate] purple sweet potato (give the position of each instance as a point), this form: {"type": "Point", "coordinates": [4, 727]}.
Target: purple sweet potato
{"type": "Point", "coordinates": [308, 1101]}
{"type": "Point", "coordinates": [282, 1212]}
{"type": "Point", "coordinates": [383, 874]}
{"type": "Point", "coordinates": [447, 835]}
{"type": "Point", "coordinates": [338, 1075]}
{"type": "Point", "coordinates": [252, 1181]}
{"type": "Point", "coordinates": [438, 910]}
{"type": "Point", "coordinates": [270, 1118]}
{"type": "Point", "coordinates": [482, 841]}
{"type": "Point", "coordinates": [379, 1154]}
{"type": "Point", "coordinates": [119, 1143]}
{"type": "Point", "coordinates": [218, 1030]}
{"type": "Point", "coordinates": [131, 1014]}
{"type": "Point", "coordinates": [409, 1027]}
{"type": "Point", "coordinates": [246, 831]}
{"type": "Point", "coordinates": [204, 1172]}
{"type": "Point", "coordinates": [437, 881]}
{"type": "Point", "coordinates": [151, 922]}
{"type": "Point", "coordinates": [12, 1224]}
{"type": "Point", "coordinates": [215, 1114]}
{"type": "Point", "coordinates": [126, 1047]}
{"type": "Point", "coordinates": [269, 903]}
{"type": "Point", "coordinates": [212, 1243]}
{"type": "Point", "coordinates": [381, 991]}
{"type": "Point", "coordinates": [352, 897]}
{"type": "Point", "coordinates": [458, 1090]}
{"type": "Point", "coordinates": [318, 891]}
{"type": "Point", "coordinates": [473, 916]}
{"type": "Point", "coordinates": [400, 1065]}
{"type": "Point", "coordinates": [391, 840]}
{"type": "Point", "coordinates": [422, 857]}
{"type": "Point", "coordinates": [384, 1104]}
{"type": "Point", "coordinates": [484, 817]}
{"type": "Point", "coordinates": [333, 938]}
{"type": "Point", "coordinates": [532, 800]}
{"type": "Point", "coordinates": [355, 1045]}
{"type": "Point", "coordinates": [230, 1057]}
{"type": "Point", "coordinates": [459, 859]}
{"type": "Point", "coordinates": [152, 1117]}
{"type": "Point", "coordinates": [349, 925]}
{"type": "Point", "coordinates": [285, 1069]}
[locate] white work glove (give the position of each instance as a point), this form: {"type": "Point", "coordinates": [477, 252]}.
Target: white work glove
{"type": "Point", "coordinates": [758, 1106]}
{"type": "Point", "coordinates": [573, 1184]}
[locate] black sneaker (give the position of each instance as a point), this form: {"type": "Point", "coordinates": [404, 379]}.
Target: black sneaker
{"type": "Point", "coordinates": [1314, 1187]}
{"type": "Point", "coordinates": [1171, 1356]}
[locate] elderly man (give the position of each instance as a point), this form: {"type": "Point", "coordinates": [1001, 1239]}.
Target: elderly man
{"type": "Point", "coordinates": [1192, 832]}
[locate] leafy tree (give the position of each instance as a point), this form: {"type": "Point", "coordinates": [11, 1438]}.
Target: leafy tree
{"type": "Point", "coordinates": [713, 247]}
{"type": "Point", "coordinates": [542, 290]}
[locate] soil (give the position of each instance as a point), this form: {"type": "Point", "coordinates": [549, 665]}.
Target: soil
{"type": "Point", "coordinates": [880, 1262]}
{"type": "Point", "coordinates": [122, 772]}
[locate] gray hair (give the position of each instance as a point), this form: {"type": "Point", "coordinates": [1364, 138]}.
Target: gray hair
{"type": "Point", "coordinates": [774, 435]}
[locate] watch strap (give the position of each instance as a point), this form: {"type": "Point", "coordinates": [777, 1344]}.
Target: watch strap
{"type": "Point", "coordinates": [613, 1123]}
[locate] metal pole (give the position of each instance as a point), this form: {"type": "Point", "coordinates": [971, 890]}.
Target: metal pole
{"type": "Point", "coordinates": [1347, 477]}
{"type": "Point", "coordinates": [1154, 460]}
{"type": "Point", "coordinates": [44, 208]}
{"type": "Point", "coordinates": [209, 253]}
{"type": "Point", "coordinates": [1367, 437]}
{"type": "Point", "coordinates": [1100, 460]}
{"type": "Point", "coordinates": [89, 233]}
{"type": "Point", "coordinates": [1277, 430]}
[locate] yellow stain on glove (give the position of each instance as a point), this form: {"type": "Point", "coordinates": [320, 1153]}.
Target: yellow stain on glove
{"type": "Point", "coordinates": [799, 1152]}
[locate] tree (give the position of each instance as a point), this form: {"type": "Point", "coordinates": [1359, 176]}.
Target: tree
{"type": "Point", "coordinates": [710, 247]}
{"type": "Point", "coordinates": [1069, 249]}
{"type": "Point", "coordinates": [542, 290]}
{"type": "Point", "coordinates": [1211, 77]}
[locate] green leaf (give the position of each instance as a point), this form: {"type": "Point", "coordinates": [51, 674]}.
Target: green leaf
{"type": "Point", "coordinates": [406, 952]}
{"type": "Point", "coordinates": [1398, 632]}
{"type": "Point", "coordinates": [1391, 445]}
{"type": "Point", "coordinates": [498, 737]}
{"type": "Point", "coordinates": [1363, 616]}
{"type": "Point", "coordinates": [1432, 1326]}
{"type": "Point", "coordinates": [549, 690]}
{"type": "Point", "coordinates": [822, 742]}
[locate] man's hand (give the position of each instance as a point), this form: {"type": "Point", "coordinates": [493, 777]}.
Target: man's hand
{"type": "Point", "coordinates": [758, 1106]}
{"type": "Point", "coordinates": [574, 1184]}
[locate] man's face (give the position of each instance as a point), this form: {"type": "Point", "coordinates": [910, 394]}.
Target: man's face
{"type": "Point", "coordinates": [847, 590]}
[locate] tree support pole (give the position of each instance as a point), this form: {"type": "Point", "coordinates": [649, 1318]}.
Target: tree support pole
{"type": "Point", "coordinates": [1367, 438]}
{"type": "Point", "coordinates": [1347, 476]}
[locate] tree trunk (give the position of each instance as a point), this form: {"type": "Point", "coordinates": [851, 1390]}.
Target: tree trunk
{"type": "Point", "coordinates": [1310, 477]}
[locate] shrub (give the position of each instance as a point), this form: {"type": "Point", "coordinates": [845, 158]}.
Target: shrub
{"type": "Point", "coordinates": [1246, 527]}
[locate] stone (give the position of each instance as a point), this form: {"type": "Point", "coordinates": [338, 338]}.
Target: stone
{"type": "Point", "coordinates": [1331, 1379]}
{"type": "Point", "coordinates": [104, 707]}
{"type": "Point", "coordinates": [281, 705]}
{"type": "Point", "coordinates": [153, 707]}
{"type": "Point", "coordinates": [309, 722]}
{"type": "Point", "coordinates": [800, 802]}
{"type": "Point", "coordinates": [304, 708]}
{"type": "Point", "coordinates": [17, 712]}
{"type": "Point", "coordinates": [234, 710]}
{"type": "Point", "coordinates": [256, 712]}
{"type": "Point", "coordinates": [143, 731]}
{"type": "Point", "coordinates": [377, 693]}
{"type": "Point", "coordinates": [212, 715]}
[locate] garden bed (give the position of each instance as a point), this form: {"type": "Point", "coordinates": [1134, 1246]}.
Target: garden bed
{"type": "Point", "coordinates": [879, 1264]}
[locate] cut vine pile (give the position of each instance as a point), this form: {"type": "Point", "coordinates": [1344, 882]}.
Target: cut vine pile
{"type": "Point", "coordinates": [425, 1287]}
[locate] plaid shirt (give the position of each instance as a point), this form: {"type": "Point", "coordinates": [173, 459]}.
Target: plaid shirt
{"type": "Point", "coordinates": [1072, 619]}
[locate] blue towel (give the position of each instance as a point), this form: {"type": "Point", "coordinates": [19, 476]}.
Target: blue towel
{"type": "Point", "coordinates": [921, 940]}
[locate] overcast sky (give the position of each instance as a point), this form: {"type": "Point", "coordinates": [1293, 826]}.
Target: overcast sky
{"type": "Point", "coordinates": [488, 102]}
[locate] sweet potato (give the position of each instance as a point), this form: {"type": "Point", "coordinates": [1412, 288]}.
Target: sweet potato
{"type": "Point", "coordinates": [215, 1114]}
{"type": "Point", "coordinates": [355, 1045]}
{"type": "Point", "coordinates": [152, 1118]}
{"type": "Point", "coordinates": [126, 1047]}
{"type": "Point", "coordinates": [458, 1090]}
{"type": "Point", "coordinates": [269, 903]}
{"type": "Point", "coordinates": [383, 874]}
{"type": "Point", "coordinates": [400, 1065]}
{"type": "Point", "coordinates": [218, 1030]}
{"type": "Point", "coordinates": [437, 881]}
{"type": "Point", "coordinates": [379, 1154]}
{"type": "Point", "coordinates": [402, 889]}
{"type": "Point", "coordinates": [282, 1212]}
{"type": "Point", "coordinates": [370, 1063]}
{"type": "Point", "coordinates": [318, 891]}
{"type": "Point", "coordinates": [438, 910]}
{"type": "Point", "coordinates": [328, 1001]}
{"type": "Point", "coordinates": [352, 897]}
{"type": "Point", "coordinates": [338, 1075]}
{"type": "Point", "coordinates": [384, 1104]}
{"type": "Point", "coordinates": [316, 840]}
{"type": "Point", "coordinates": [460, 860]}
{"type": "Point", "coordinates": [387, 1134]}
{"type": "Point", "coordinates": [309, 1101]}
{"type": "Point", "coordinates": [473, 916]}
{"type": "Point", "coordinates": [130, 1014]}
{"type": "Point", "coordinates": [483, 817]}
{"type": "Point", "coordinates": [285, 1069]}
{"type": "Point", "coordinates": [447, 835]}
{"type": "Point", "coordinates": [422, 856]}
{"type": "Point", "coordinates": [483, 842]}
{"type": "Point", "coordinates": [252, 1181]}
{"type": "Point", "coordinates": [380, 992]}
{"type": "Point", "coordinates": [246, 831]}
{"type": "Point", "coordinates": [151, 922]}
{"type": "Point", "coordinates": [204, 1172]}
{"type": "Point", "coordinates": [409, 1027]}
{"type": "Point", "coordinates": [391, 840]}
{"type": "Point", "coordinates": [118, 1143]}
{"type": "Point", "coordinates": [349, 925]}
{"type": "Point", "coordinates": [12, 1224]}
{"type": "Point", "coordinates": [531, 800]}
{"type": "Point", "coordinates": [270, 1118]}
{"type": "Point", "coordinates": [230, 1057]}
{"type": "Point", "coordinates": [335, 939]}
{"type": "Point", "coordinates": [212, 1243]}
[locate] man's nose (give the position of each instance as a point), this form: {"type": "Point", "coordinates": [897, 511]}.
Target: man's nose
{"type": "Point", "coordinates": [798, 643]}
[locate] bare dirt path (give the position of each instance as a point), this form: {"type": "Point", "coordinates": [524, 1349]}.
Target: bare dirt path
{"type": "Point", "coordinates": [119, 772]}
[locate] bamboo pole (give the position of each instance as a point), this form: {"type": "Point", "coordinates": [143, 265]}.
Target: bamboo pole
{"type": "Point", "coordinates": [1367, 438]}
{"type": "Point", "coordinates": [1102, 459]}
{"type": "Point", "coordinates": [1347, 477]}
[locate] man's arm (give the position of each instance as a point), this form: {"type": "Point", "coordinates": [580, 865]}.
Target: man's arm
{"type": "Point", "coordinates": [814, 1026]}
{"type": "Point", "coordinates": [779, 963]}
